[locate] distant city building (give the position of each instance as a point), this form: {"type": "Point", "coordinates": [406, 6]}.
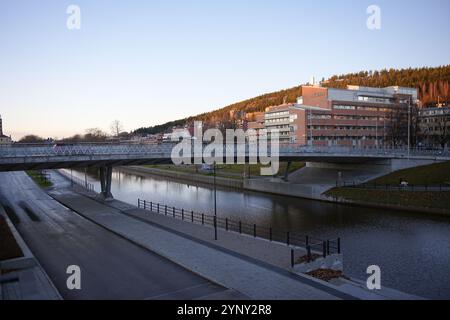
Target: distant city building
{"type": "Point", "coordinates": [434, 126]}
{"type": "Point", "coordinates": [3, 139]}
{"type": "Point", "coordinates": [356, 116]}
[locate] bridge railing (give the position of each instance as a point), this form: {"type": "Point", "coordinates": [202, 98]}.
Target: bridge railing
{"type": "Point", "coordinates": [392, 187]}
{"type": "Point", "coordinates": [77, 181]}
{"type": "Point", "coordinates": [293, 239]}
{"type": "Point", "coordinates": [89, 149]}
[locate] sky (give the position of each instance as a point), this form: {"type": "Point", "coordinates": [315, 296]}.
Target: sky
{"type": "Point", "coordinates": [148, 62]}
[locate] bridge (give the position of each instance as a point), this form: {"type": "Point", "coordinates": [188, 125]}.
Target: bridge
{"type": "Point", "coordinates": [105, 156]}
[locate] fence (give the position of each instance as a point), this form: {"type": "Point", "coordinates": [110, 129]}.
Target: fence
{"type": "Point", "coordinates": [78, 181]}
{"type": "Point", "coordinates": [327, 247]}
{"type": "Point", "coordinates": [391, 187]}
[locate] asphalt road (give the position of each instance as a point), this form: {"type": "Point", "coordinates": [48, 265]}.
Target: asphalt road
{"type": "Point", "coordinates": [111, 267]}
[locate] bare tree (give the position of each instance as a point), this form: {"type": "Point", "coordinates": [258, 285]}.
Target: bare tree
{"type": "Point", "coordinates": [116, 128]}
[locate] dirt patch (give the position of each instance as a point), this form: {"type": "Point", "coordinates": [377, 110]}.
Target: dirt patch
{"type": "Point", "coordinates": [326, 274]}
{"type": "Point", "coordinates": [9, 249]}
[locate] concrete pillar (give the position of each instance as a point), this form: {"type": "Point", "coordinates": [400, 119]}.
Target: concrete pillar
{"type": "Point", "coordinates": [105, 181]}
{"type": "Point", "coordinates": [286, 173]}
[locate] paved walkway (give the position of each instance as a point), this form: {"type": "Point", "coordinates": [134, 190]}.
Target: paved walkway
{"type": "Point", "coordinates": [253, 278]}
{"type": "Point", "coordinates": [111, 266]}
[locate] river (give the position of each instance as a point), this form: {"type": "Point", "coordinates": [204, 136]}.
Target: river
{"type": "Point", "coordinates": [412, 249]}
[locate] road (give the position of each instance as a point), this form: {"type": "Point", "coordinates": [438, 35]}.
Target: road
{"type": "Point", "coordinates": [111, 267]}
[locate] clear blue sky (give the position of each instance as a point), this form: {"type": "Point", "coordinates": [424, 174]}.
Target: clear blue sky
{"type": "Point", "coordinates": [147, 62]}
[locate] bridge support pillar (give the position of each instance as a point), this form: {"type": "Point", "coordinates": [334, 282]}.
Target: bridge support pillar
{"type": "Point", "coordinates": [286, 172]}
{"type": "Point", "coordinates": [105, 182]}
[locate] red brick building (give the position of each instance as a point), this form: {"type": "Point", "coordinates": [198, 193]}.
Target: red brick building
{"type": "Point", "coordinates": [356, 116]}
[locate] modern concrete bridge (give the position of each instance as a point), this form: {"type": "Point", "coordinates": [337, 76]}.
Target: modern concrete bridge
{"type": "Point", "coordinates": [105, 156]}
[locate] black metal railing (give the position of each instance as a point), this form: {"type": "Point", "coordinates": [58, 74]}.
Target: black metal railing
{"type": "Point", "coordinates": [77, 181]}
{"type": "Point", "coordinates": [294, 239]}
{"type": "Point", "coordinates": [395, 187]}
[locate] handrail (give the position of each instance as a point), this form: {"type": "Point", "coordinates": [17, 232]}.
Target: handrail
{"type": "Point", "coordinates": [295, 239]}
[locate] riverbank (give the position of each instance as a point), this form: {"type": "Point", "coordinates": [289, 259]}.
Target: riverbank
{"type": "Point", "coordinates": [421, 202]}
{"type": "Point", "coordinates": [435, 202]}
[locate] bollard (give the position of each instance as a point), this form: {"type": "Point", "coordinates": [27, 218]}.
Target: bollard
{"type": "Point", "coordinates": [307, 240]}
{"type": "Point", "coordinates": [339, 245]}
{"type": "Point", "coordinates": [308, 252]}
{"type": "Point", "coordinates": [292, 258]}
{"type": "Point", "coordinates": [324, 249]}
{"type": "Point", "coordinates": [328, 247]}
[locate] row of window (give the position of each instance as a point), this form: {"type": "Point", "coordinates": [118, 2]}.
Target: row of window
{"type": "Point", "coordinates": [344, 128]}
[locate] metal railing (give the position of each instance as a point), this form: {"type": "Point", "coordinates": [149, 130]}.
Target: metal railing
{"type": "Point", "coordinates": [293, 239]}
{"type": "Point", "coordinates": [109, 149]}
{"type": "Point", "coordinates": [77, 181]}
{"type": "Point", "coordinates": [392, 187]}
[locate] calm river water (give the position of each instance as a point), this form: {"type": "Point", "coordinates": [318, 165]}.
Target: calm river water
{"type": "Point", "coordinates": [413, 250]}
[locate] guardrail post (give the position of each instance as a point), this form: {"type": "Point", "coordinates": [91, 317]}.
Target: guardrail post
{"type": "Point", "coordinates": [254, 230]}
{"type": "Point", "coordinates": [292, 258]}
{"type": "Point", "coordinates": [173, 211]}
{"type": "Point", "coordinates": [324, 249]}
{"type": "Point", "coordinates": [165, 210]}
{"type": "Point", "coordinates": [145, 205]}
{"type": "Point", "coordinates": [203, 218]}
{"type": "Point", "coordinates": [157, 206]}
{"type": "Point", "coordinates": [192, 216]}
{"type": "Point", "coordinates": [287, 238]}
{"type": "Point", "coordinates": [240, 226]}
{"type": "Point", "coordinates": [226, 224]}
{"type": "Point", "coordinates": [139, 203]}
{"type": "Point", "coordinates": [182, 214]}
{"type": "Point", "coordinates": [308, 252]}
{"type": "Point", "coordinates": [328, 247]}
{"type": "Point", "coordinates": [307, 240]}
{"type": "Point", "coordinates": [151, 205]}
{"type": "Point", "coordinates": [339, 245]}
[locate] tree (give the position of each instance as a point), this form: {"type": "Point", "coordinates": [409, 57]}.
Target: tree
{"type": "Point", "coordinates": [116, 128]}
{"type": "Point", "coordinates": [31, 138]}
{"type": "Point", "coordinates": [95, 135]}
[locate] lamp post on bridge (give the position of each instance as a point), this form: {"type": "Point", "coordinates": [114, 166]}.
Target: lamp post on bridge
{"type": "Point", "coordinates": [215, 203]}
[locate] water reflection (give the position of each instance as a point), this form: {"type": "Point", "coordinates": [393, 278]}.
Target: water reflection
{"type": "Point", "coordinates": [412, 249]}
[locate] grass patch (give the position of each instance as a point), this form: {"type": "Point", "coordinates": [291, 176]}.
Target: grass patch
{"type": "Point", "coordinates": [233, 171]}
{"type": "Point", "coordinates": [439, 200]}
{"type": "Point", "coordinates": [39, 179]}
{"type": "Point", "coordinates": [431, 174]}
{"type": "Point", "coordinates": [434, 174]}
{"type": "Point", "coordinates": [9, 249]}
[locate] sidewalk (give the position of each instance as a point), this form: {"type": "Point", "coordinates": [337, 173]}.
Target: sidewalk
{"type": "Point", "coordinates": [23, 278]}
{"type": "Point", "coordinates": [251, 277]}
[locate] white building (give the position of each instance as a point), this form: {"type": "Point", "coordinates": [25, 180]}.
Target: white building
{"type": "Point", "coordinates": [3, 139]}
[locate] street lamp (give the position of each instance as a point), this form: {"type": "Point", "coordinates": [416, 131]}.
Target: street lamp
{"type": "Point", "coordinates": [409, 125]}
{"type": "Point", "coordinates": [215, 203]}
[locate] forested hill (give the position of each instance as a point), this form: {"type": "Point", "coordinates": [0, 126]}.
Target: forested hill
{"type": "Point", "coordinates": [433, 85]}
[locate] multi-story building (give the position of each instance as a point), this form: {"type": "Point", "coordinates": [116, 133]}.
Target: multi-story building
{"type": "Point", "coordinates": [3, 139]}
{"type": "Point", "coordinates": [434, 126]}
{"type": "Point", "coordinates": [356, 116]}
